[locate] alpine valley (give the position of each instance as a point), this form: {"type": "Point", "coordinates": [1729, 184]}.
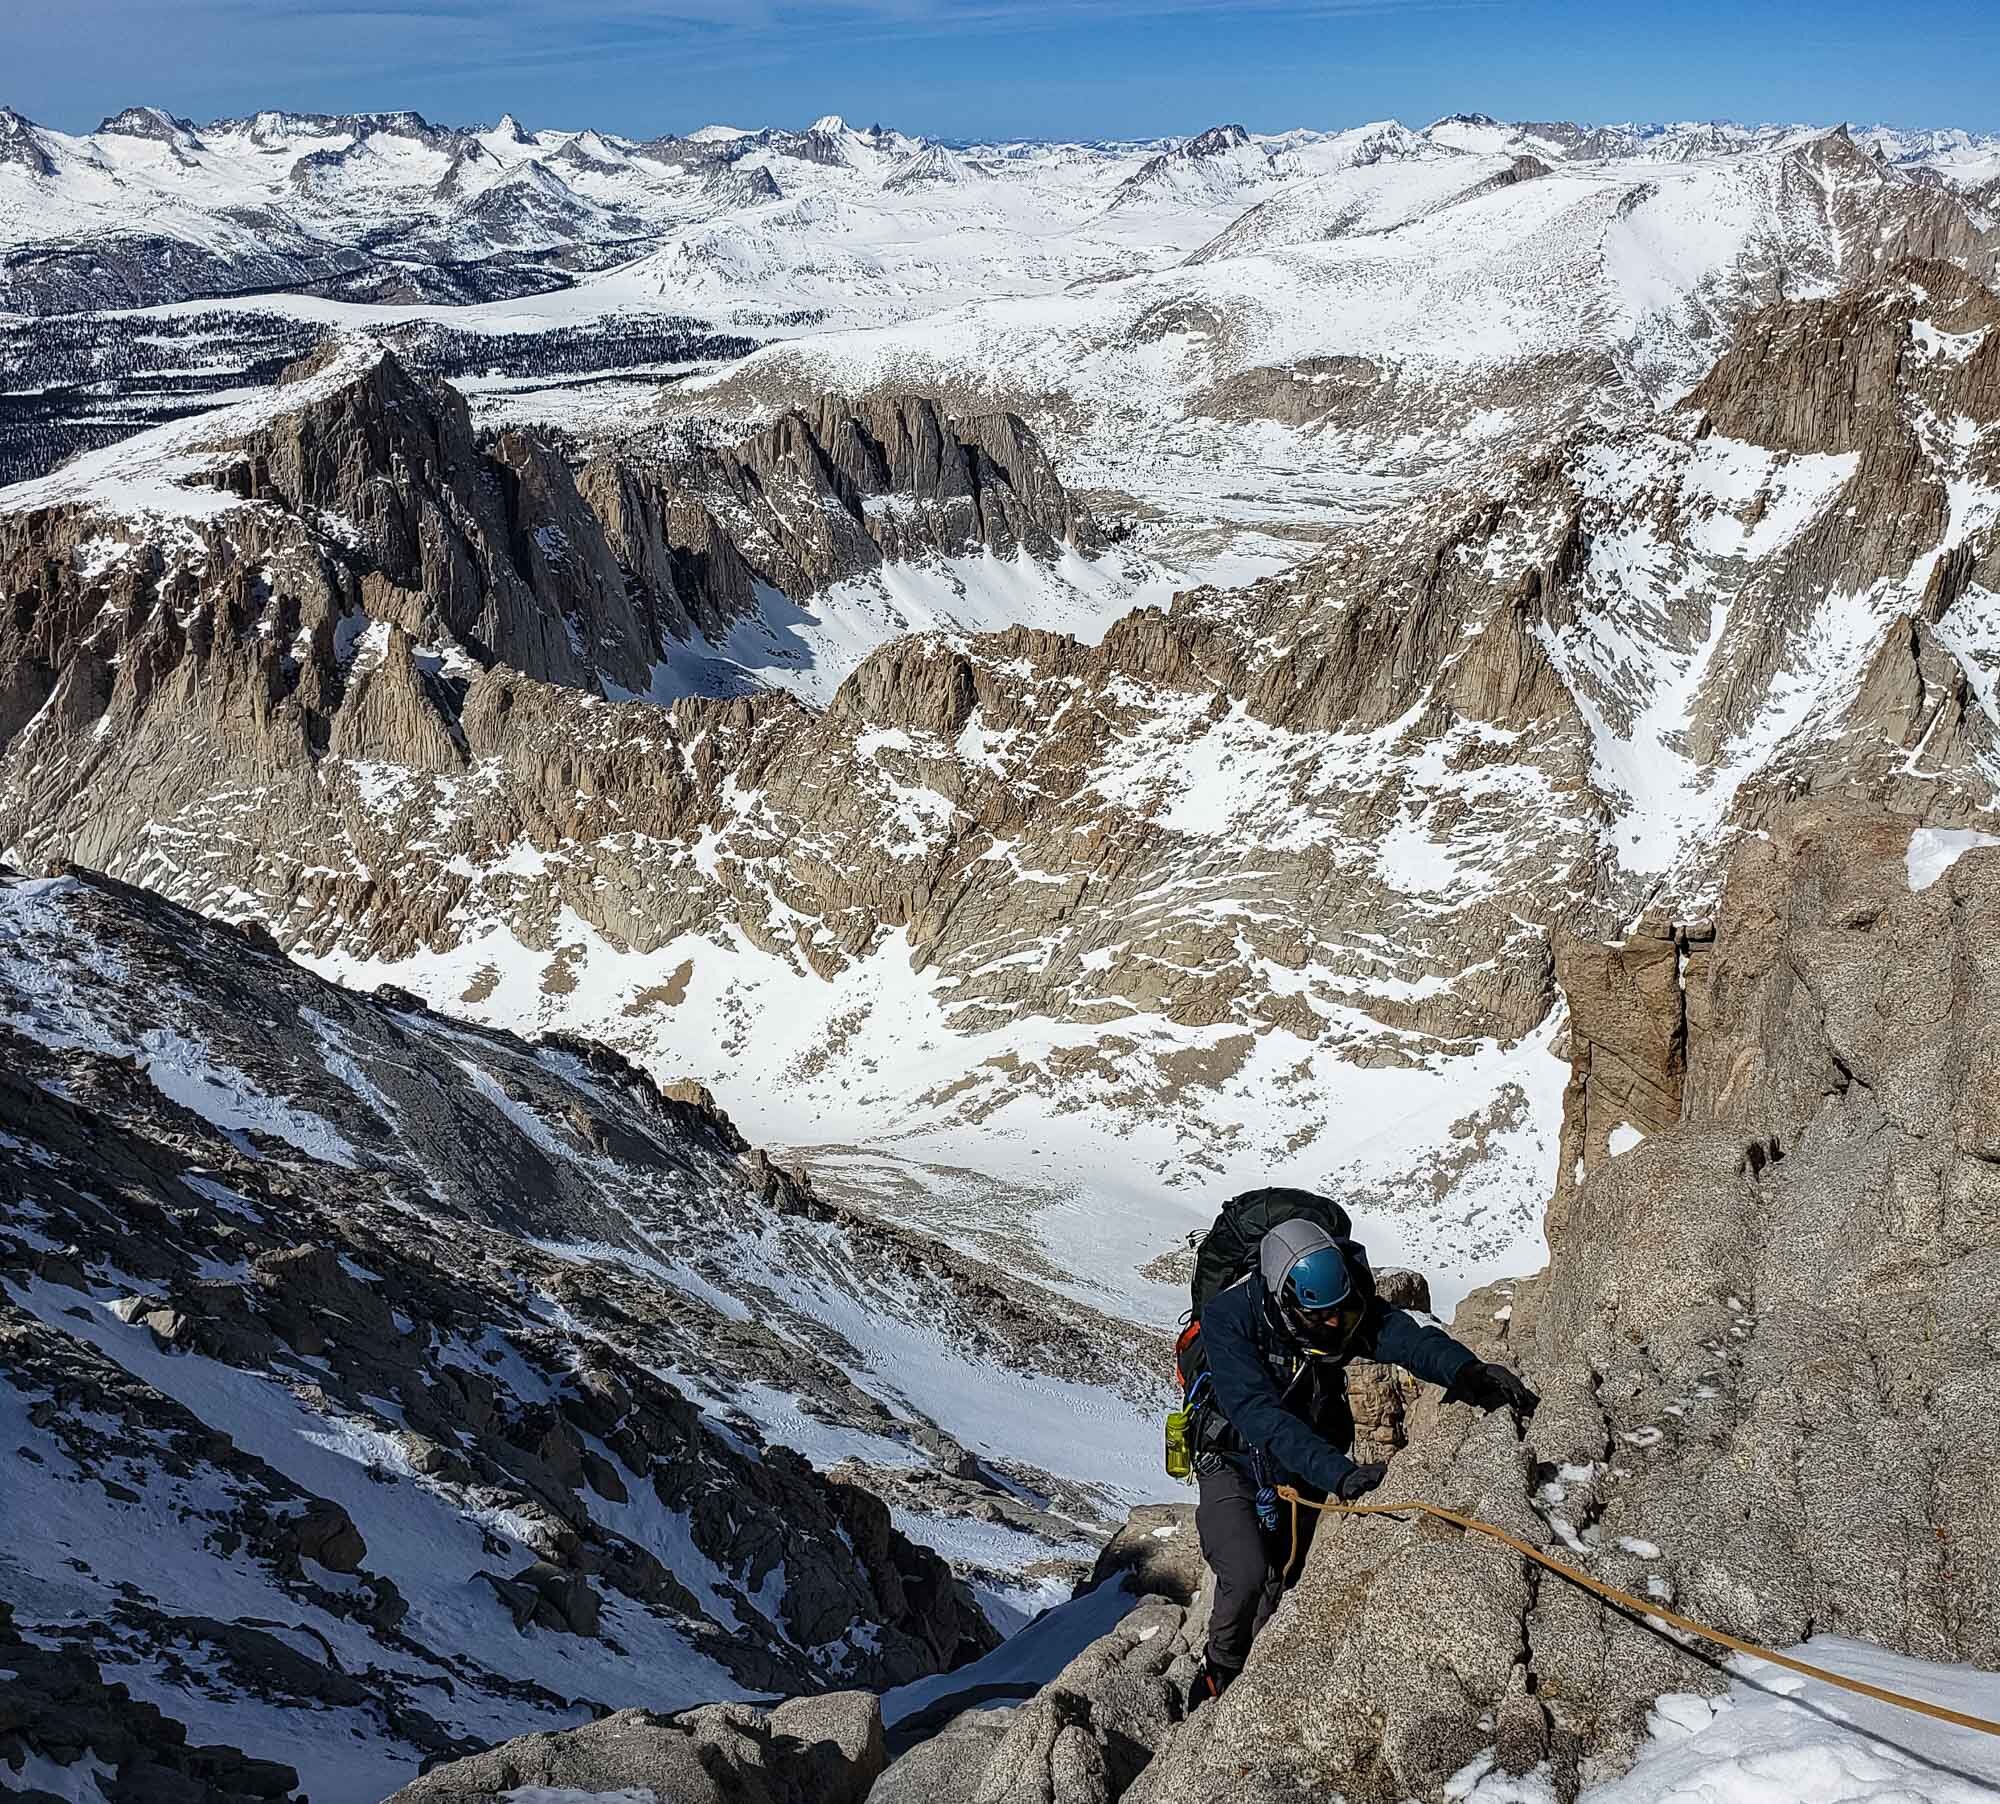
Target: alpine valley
{"type": "Point", "coordinates": [671, 809]}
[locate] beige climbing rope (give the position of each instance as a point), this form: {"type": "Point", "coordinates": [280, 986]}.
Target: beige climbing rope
{"type": "Point", "coordinates": [1627, 1601]}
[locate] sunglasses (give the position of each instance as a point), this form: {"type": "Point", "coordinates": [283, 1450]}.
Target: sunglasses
{"type": "Point", "coordinates": [1335, 1323]}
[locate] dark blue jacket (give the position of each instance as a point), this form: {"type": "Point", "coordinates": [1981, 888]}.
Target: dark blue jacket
{"type": "Point", "coordinates": [1291, 1410]}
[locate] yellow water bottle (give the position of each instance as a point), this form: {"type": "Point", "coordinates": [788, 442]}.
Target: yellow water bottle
{"type": "Point", "coordinates": [1180, 1456]}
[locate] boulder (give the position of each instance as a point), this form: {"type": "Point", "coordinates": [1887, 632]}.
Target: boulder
{"type": "Point", "coordinates": [1084, 1738]}
{"type": "Point", "coordinates": [326, 1533]}
{"type": "Point", "coordinates": [817, 1750]}
{"type": "Point", "coordinates": [544, 1596]}
{"type": "Point", "coordinates": [948, 1766]}
{"type": "Point", "coordinates": [1157, 1552]}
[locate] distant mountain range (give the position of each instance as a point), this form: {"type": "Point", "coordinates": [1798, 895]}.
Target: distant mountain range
{"type": "Point", "coordinates": [391, 207]}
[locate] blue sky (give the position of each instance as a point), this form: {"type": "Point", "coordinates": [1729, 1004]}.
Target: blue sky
{"type": "Point", "coordinates": [978, 68]}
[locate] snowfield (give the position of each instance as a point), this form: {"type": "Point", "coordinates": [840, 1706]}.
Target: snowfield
{"type": "Point", "coordinates": [1090, 1223]}
{"type": "Point", "coordinates": [1777, 1734]}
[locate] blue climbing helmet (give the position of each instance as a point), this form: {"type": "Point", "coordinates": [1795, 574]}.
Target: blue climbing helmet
{"type": "Point", "coordinates": [1319, 1287]}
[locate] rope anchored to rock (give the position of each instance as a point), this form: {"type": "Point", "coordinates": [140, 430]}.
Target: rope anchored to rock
{"type": "Point", "coordinates": [1625, 1600]}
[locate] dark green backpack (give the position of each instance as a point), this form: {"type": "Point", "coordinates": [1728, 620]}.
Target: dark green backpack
{"type": "Point", "coordinates": [1222, 1255]}
{"type": "Point", "coordinates": [1229, 1248]}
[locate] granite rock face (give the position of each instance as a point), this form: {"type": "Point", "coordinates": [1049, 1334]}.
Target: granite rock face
{"type": "Point", "coordinates": [1085, 1738]}
{"type": "Point", "coordinates": [1763, 1347]}
{"type": "Point", "coordinates": [837, 490]}
{"type": "Point", "coordinates": [367, 506]}
{"type": "Point", "coordinates": [1628, 1029]}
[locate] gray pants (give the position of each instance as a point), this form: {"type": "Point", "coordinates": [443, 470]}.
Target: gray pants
{"type": "Point", "coordinates": [1249, 1565]}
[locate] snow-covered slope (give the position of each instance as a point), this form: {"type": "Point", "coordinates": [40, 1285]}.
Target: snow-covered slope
{"type": "Point", "coordinates": [384, 1386]}
{"type": "Point", "coordinates": [386, 203]}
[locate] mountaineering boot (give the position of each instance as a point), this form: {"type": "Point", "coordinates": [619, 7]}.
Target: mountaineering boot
{"type": "Point", "coordinates": [1209, 1682]}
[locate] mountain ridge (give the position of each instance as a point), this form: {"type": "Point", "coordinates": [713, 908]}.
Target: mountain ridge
{"type": "Point", "coordinates": [1545, 705]}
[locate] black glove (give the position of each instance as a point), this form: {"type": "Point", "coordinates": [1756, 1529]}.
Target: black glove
{"type": "Point", "coordinates": [1361, 1481]}
{"type": "Point", "coordinates": [1488, 1386]}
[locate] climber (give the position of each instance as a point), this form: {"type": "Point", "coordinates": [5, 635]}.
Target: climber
{"type": "Point", "coordinates": [1264, 1361]}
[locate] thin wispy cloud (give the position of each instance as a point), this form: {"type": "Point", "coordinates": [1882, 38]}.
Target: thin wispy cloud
{"type": "Point", "coordinates": [455, 41]}
{"type": "Point", "coordinates": [717, 37]}
{"type": "Point", "coordinates": [1027, 67]}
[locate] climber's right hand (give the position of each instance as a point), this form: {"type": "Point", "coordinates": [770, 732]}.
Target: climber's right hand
{"type": "Point", "coordinates": [1488, 1385]}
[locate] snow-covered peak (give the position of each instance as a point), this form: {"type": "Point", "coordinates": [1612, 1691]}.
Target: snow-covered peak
{"type": "Point", "coordinates": [932, 167]}
{"type": "Point", "coordinates": [593, 153]}
{"type": "Point", "coordinates": [1207, 168]}
{"type": "Point", "coordinates": [472, 165]}
{"type": "Point", "coordinates": [829, 125]}
{"type": "Point", "coordinates": [1564, 140]}
{"type": "Point", "coordinates": [1384, 139]}
{"type": "Point", "coordinates": [272, 129]}
{"type": "Point", "coordinates": [1477, 132]}
{"type": "Point", "coordinates": [596, 145]}
{"type": "Point", "coordinates": [536, 174]}
{"type": "Point", "coordinates": [152, 122]}
{"type": "Point", "coordinates": [1217, 141]}
{"type": "Point", "coordinates": [743, 185]}
{"type": "Point", "coordinates": [21, 144]}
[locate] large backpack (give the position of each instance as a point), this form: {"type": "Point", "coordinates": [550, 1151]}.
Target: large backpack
{"type": "Point", "coordinates": [1229, 1248]}
{"type": "Point", "coordinates": [1224, 1254]}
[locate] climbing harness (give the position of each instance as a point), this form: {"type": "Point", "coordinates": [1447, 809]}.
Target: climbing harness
{"type": "Point", "coordinates": [1625, 1600]}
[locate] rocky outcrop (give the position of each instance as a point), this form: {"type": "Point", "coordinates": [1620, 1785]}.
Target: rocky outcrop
{"type": "Point", "coordinates": [1921, 220]}
{"type": "Point", "coordinates": [835, 491]}
{"type": "Point", "coordinates": [823, 1750]}
{"type": "Point", "coordinates": [1826, 375]}
{"type": "Point", "coordinates": [1521, 169]}
{"type": "Point", "coordinates": [404, 650]}
{"type": "Point", "coordinates": [1084, 1738]}
{"type": "Point", "coordinates": [366, 500]}
{"type": "Point", "coordinates": [392, 703]}
{"type": "Point", "coordinates": [497, 554]}
{"type": "Point", "coordinates": [1381, 1398]}
{"type": "Point", "coordinates": [61, 1714]}
{"type": "Point", "coordinates": [733, 186]}
{"type": "Point", "coordinates": [1628, 1032]}
{"type": "Point", "coordinates": [1738, 1321]}
{"type": "Point", "coordinates": [20, 146]}
{"type": "Point", "coordinates": [670, 547]}
{"type": "Point", "coordinates": [1155, 1554]}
